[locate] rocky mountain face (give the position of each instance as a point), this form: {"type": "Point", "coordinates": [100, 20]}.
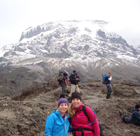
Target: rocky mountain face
{"type": "Point", "coordinates": [87, 46]}
{"type": "Point", "coordinates": [25, 114]}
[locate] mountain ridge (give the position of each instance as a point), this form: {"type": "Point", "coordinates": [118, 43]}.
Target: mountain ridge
{"type": "Point", "coordinates": [87, 46]}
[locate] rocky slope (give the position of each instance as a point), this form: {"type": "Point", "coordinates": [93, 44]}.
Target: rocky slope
{"type": "Point", "coordinates": [25, 114]}
{"type": "Point", "coordinates": [88, 46]}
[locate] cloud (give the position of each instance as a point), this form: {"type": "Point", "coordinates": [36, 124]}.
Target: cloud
{"type": "Point", "coordinates": [17, 15]}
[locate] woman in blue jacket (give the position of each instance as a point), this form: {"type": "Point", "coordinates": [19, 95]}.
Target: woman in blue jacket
{"type": "Point", "coordinates": [57, 123]}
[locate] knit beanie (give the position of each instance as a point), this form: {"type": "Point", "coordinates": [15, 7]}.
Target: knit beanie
{"type": "Point", "coordinates": [74, 71]}
{"type": "Point", "coordinates": [75, 95]}
{"type": "Point", "coordinates": [62, 100]}
{"type": "Point", "coordinates": [137, 106]}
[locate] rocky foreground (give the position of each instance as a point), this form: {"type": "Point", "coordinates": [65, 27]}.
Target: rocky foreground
{"type": "Point", "coordinates": [25, 114]}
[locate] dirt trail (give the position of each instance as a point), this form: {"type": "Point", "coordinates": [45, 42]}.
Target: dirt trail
{"type": "Point", "coordinates": [27, 117]}
{"type": "Point", "coordinates": [109, 111]}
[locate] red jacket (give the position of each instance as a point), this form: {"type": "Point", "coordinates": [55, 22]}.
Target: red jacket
{"type": "Point", "coordinates": [79, 120]}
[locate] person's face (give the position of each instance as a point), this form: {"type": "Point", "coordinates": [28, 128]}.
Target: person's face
{"type": "Point", "coordinates": [76, 102]}
{"type": "Point", "coordinates": [139, 109]}
{"type": "Point", "coordinates": [109, 74]}
{"type": "Point", "coordinates": [63, 108]}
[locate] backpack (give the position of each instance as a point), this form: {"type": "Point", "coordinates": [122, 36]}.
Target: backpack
{"type": "Point", "coordinates": [60, 73]}
{"type": "Point", "coordinates": [103, 79]}
{"type": "Point", "coordinates": [85, 112]}
{"type": "Point", "coordinates": [70, 78]}
{"type": "Point", "coordinates": [60, 77]}
{"type": "Point", "coordinates": [127, 118]}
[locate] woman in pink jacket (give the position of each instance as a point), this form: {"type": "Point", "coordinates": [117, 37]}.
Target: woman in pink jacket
{"type": "Point", "coordinates": [81, 125]}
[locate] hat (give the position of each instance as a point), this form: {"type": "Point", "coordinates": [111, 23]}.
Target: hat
{"type": "Point", "coordinates": [65, 74]}
{"type": "Point", "coordinates": [75, 95]}
{"type": "Point", "coordinates": [65, 71]}
{"type": "Point", "coordinates": [74, 71]}
{"type": "Point", "coordinates": [62, 100]}
{"type": "Point", "coordinates": [137, 106]}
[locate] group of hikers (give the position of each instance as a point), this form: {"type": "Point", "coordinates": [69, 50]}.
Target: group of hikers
{"type": "Point", "coordinates": [63, 81]}
{"type": "Point", "coordinates": [75, 79]}
{"type": "Point", "coordinates": [77, 118]}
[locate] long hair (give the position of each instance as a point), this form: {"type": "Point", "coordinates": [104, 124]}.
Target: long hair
{"type": "Point", "coordinates": [71, 111]}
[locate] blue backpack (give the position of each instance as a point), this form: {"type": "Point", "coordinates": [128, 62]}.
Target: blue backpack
{"type": "Point", "coordinates": [103, 79]}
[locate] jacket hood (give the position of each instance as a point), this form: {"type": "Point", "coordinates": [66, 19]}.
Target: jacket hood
{"type": "Point", "coordinates": [135, 109]}
{"type": "Point", "coordinates": [58, 113]}
{"type": "Point", "coordinates": [72, 73]}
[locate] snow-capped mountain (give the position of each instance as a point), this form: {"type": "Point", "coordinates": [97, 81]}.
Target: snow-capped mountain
{"type": "Point", "coordinates": [87, 41]}
{"type": "Point", "coordinates": [84, 45]}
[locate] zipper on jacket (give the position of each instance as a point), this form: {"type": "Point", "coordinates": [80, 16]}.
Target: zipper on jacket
{"type": "Point", "coordinates": [64, 127]}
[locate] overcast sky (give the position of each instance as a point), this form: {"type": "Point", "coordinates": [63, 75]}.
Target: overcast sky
{"type": "Point", "coordinates": [17, 15]}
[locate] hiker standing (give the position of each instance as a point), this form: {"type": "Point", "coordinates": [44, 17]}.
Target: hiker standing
{"type": "Point", "coordinates": [136, 115]}
{"type": "Point", "coordinates": [57, 123]}
{"type": "Point", "coordinates": [63, 79]}
{"type": "Point", "coordinates": [81, 125]}
{"type": "Point", "coordinates": [108, 79]}
{"type": "Point", "coordinates": [74, 79]}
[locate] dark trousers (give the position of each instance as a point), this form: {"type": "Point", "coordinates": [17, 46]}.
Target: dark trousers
{"type": "Point", "coordinates": [138, 123]}
{"type": "Point", "coordinates": [64, 90]}
{"type": "Point", "coordinates": [109, 90]}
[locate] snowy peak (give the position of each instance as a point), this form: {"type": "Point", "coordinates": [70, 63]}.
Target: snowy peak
{"type": "Point", "coordinates": [33, 31]}
{"type": "Point", "coordinates": [85, 41]}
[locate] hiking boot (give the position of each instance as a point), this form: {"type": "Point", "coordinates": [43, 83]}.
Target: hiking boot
{"type": "Point", "coordinates": [62, 96]}
{"type": "Point", "coordinates": [69, 99]}
{"type": "Point", "coordinates": [107, 97]}
{"type": "Point", "coordinates": [68, 91]}
{"type": "Point", "coordinates": [66, 94]}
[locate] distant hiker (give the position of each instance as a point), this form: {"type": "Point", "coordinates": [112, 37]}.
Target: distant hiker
{"type": "Point", "coordinates": [74, 79]}
{"type": "Point", "coordinates": [63, 79]}
{"type": "Point", "coordinates": [136, 115]}
{"type": "Point", "coordinates": [81, 125]}
{"type": "Point", "coordinates": [57, 123]}
{"type": "Point", "coordinates": [107, 80]}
